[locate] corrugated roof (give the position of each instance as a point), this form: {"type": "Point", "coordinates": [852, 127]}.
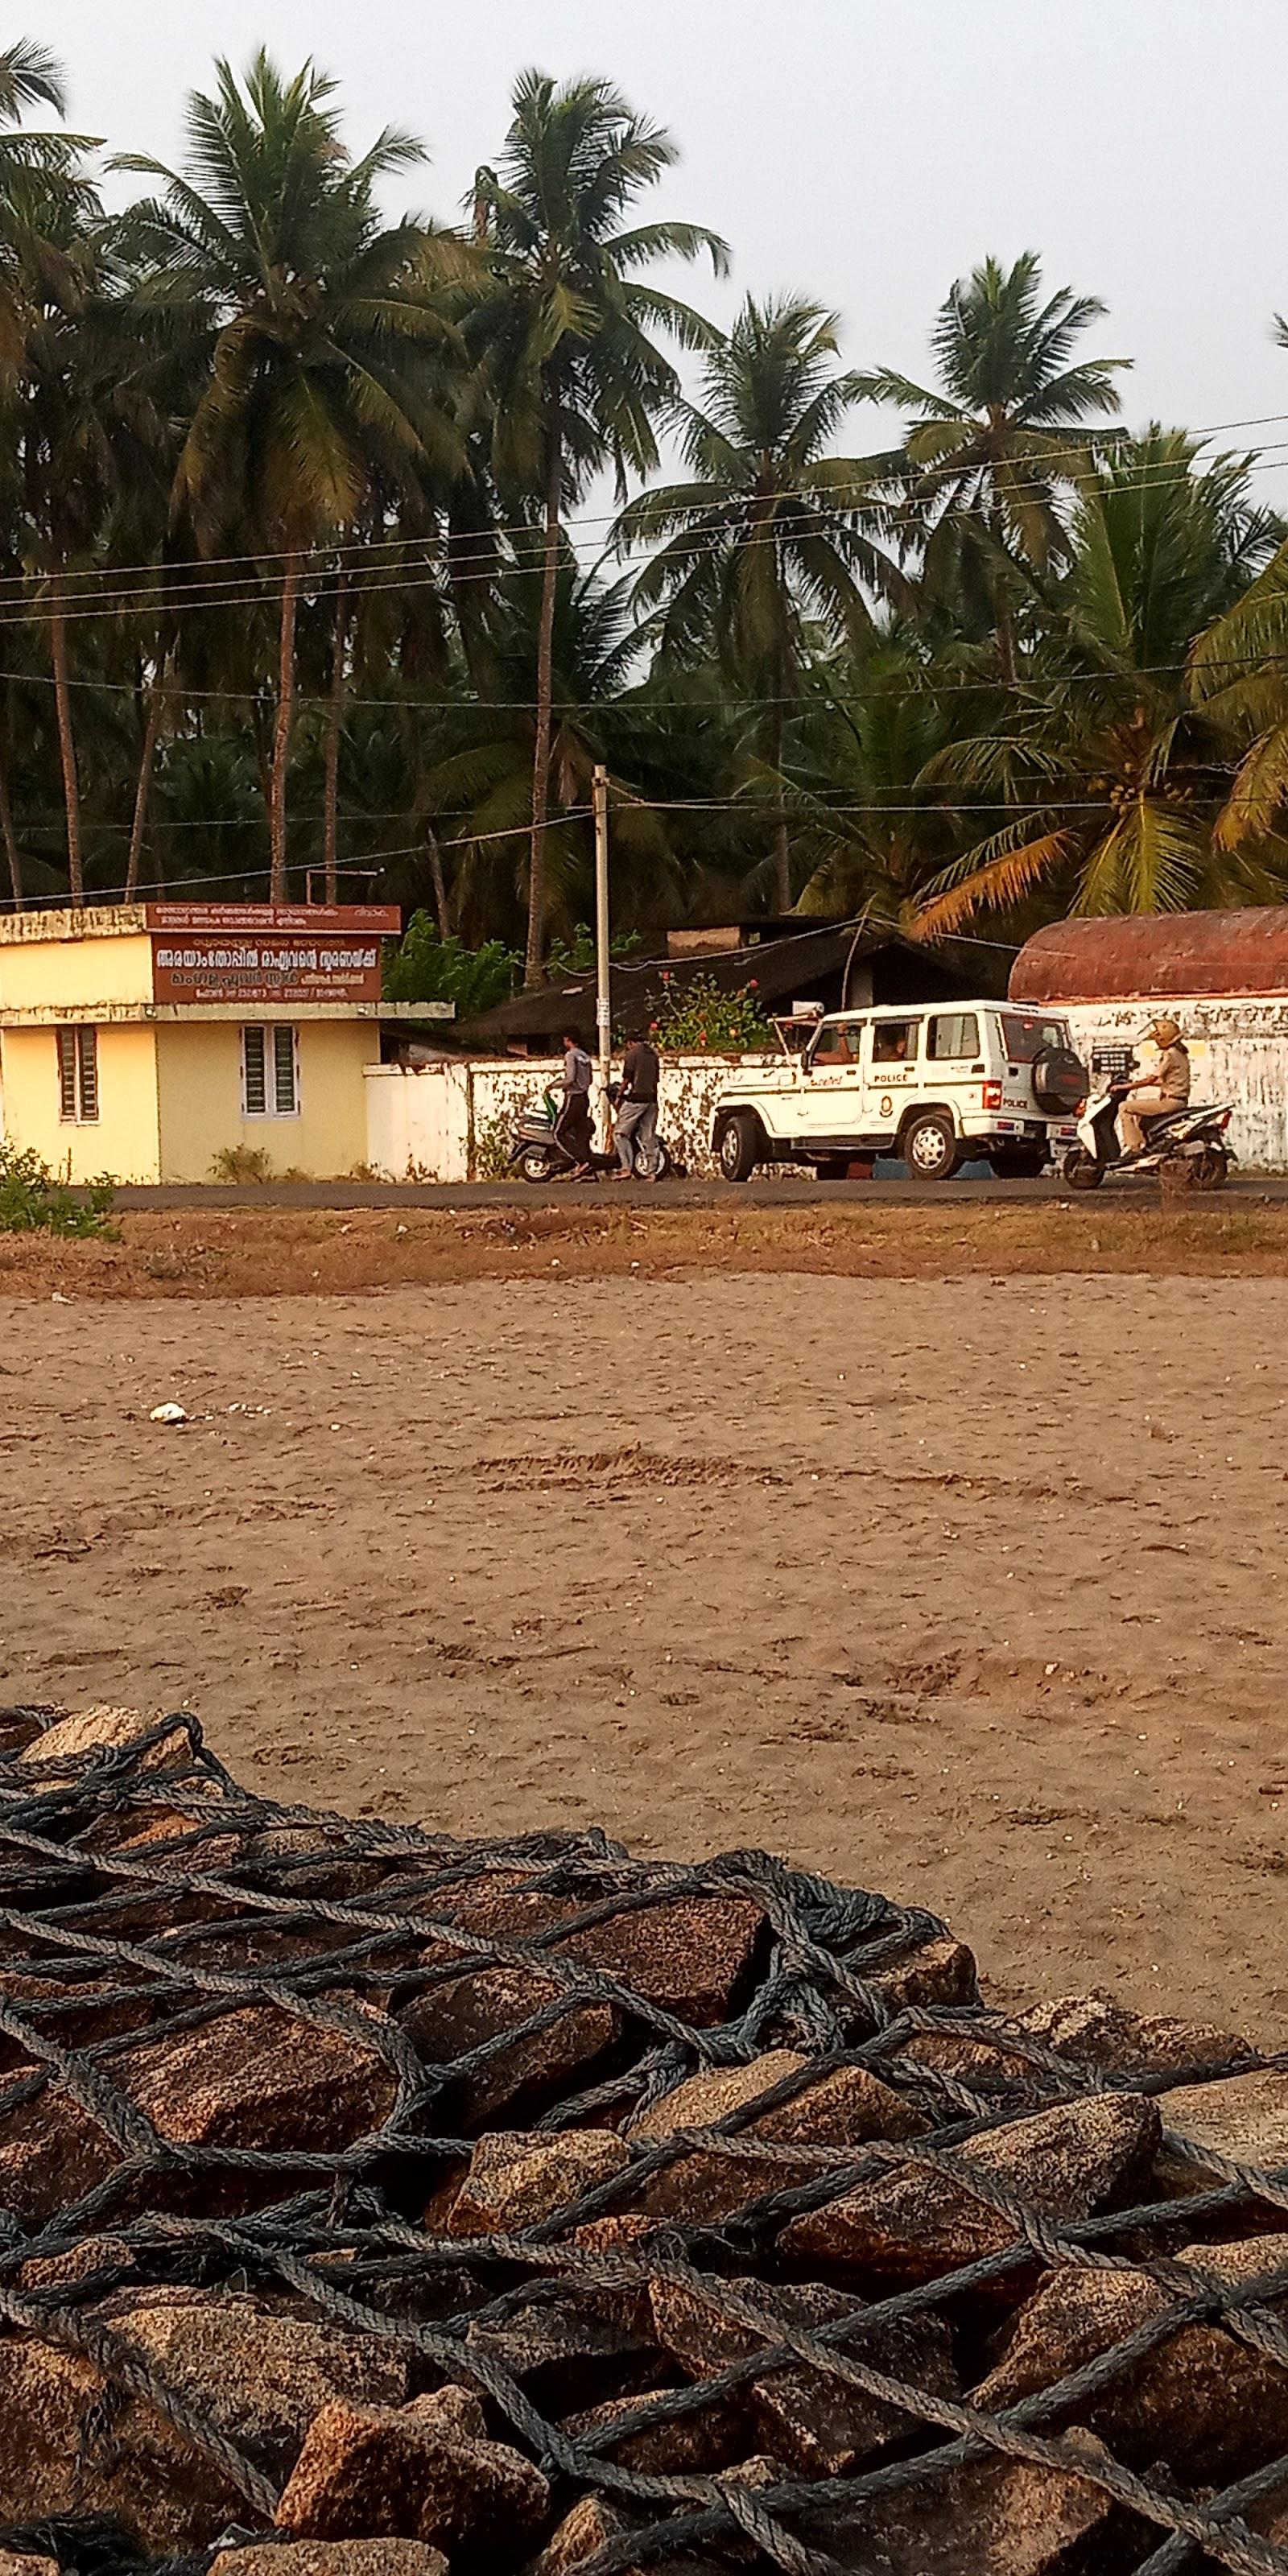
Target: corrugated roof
{"type": "Point", "coordinates": [1155, 956]}
{"type": "Point", "coordinates": [781, 968]}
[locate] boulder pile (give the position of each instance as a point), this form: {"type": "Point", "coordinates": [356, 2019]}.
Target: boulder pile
{"type": "Point", "coordinates": [378, 2204]}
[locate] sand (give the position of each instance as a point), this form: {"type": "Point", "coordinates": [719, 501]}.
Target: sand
{"type": "Point", "coordinates": [967, 1591]}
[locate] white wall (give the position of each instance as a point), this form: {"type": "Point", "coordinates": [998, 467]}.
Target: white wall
{"type": "Point", "coordinates": [1238, 1053]}
{"type": "Point", "coordinates": [452, 1121]}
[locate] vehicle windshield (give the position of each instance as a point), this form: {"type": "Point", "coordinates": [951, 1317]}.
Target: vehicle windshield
{"type": "Point", "coordinates": [1027, 1033]}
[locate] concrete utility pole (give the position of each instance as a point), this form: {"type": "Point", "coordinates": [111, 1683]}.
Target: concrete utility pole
{"type": "Point", "coordinates": [603, 1002]}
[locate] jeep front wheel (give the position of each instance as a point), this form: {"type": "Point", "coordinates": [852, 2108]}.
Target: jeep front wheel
{"type": "Point", "coordinates": [930, 1147]}
{"type": "Point", "coordinates": [738, 1151]}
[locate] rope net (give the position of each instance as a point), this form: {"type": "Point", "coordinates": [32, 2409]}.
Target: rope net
{"type": "Point", "coordinates": [564, 2210]}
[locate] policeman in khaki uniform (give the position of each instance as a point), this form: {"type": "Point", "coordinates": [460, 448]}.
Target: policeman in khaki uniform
{"type": "Point", "coordinates": [1165, 1085]}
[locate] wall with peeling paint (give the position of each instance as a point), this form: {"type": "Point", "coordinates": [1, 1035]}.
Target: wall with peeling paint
{"type": "Point", "coordinates": [451, 1121]}
{"type": "Point", "coordinates": [1238, 1054]}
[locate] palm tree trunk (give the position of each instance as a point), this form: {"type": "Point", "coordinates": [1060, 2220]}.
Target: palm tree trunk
{"type": "Point", "coordinates": [331, 748]}
{"type": "Point", "coordinates": [782, 849]}
{"type": "Point", "coordinates": [9, 837]}
{"type": "Point", "coordinates": [277, 891]}
{"type": "Point", "coordinates": [534, 964]}
{"type": "Point", "coordinates": [66, 738]}
{"type": "Point", "coordinates": [441, 905]}
{"type": "Point", "coordinates": [1002, 608]}
{"type": "Point", "coordinates": [147, 757]}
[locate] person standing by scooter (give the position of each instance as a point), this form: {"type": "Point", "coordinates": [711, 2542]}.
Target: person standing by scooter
{"type": "Point", "coordinates": [635, 1121]}
{"type": "Point", "coordinates": [573, 1132]}
{"type": "Point", "coordinates": [1163, 1086]}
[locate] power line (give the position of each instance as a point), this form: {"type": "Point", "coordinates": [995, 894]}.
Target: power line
{"type": "Point", "coordinates": [896, 466]}
{"type": "Point", "coordinates": [321, 579]}
{"type": "Point", "coordinates": [816, 701]}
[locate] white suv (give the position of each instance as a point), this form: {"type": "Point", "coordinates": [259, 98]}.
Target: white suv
{"type": "Point", "coordinates": [936, 1087]}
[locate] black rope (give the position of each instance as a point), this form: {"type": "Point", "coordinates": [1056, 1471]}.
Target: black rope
{"type": "Point", "coordinates": [145, 1897]}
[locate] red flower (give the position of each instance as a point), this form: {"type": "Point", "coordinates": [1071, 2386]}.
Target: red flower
{"type": "Point", "coordinates": [752, 983]}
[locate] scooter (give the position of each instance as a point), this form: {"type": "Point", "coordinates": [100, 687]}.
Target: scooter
{"type": "Point", "coordinates": [1186, 1147]}
{"type": "Point", "coordinates": [536, 1154]}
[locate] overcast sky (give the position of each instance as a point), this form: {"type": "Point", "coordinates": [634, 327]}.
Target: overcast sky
{"type": "Point", "coordinates": [862, 153]}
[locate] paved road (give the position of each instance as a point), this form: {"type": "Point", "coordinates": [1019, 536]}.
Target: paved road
{"type": "Point", "coordinates": [796, 1190]}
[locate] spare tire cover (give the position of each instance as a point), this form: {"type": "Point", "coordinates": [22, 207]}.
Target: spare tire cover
{"type": "Point", "coordinates": [1059, 1080]}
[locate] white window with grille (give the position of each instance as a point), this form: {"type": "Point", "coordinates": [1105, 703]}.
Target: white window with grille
{"type": "Point", "coordinates": [270, 1072]}
{"type": "Point", "coordinates": [78, 1077]}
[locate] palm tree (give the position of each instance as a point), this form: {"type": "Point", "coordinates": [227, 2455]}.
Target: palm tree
{"type": "Point", "coordinates": [1120, 779]}
{"type": "Point", "coordinates": [867, 815]}
{"type": "Point", "coordinates": [46, 200]}
{"type": "Point", "coordinates": [477, 791]}
{"type": "Point", "coordinates": [308, 329]}
{"type": "Point", "coordinates": [565, 326]}
{"type": "Point", "coordinates": [1007, 422]}
{"type": "Point", "coordinates": [770, 531]}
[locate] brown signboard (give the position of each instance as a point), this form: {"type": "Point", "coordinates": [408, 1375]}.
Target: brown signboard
{"type": "Point", "coordinates": [277, 967]}
{"type": "Point", "coordinates": [256, 953]}
{"type": "Point", "coordinates": [378, 920]}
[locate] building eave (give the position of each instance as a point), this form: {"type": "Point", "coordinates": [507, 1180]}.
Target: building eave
{"type": "Point", "coordinates": [58, 1015]}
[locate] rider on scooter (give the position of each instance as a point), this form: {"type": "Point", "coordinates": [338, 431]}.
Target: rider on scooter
{"type": "Point", "coordinates": [1160, 1088]}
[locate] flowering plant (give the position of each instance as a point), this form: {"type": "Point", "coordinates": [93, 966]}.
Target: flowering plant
{"type": "Point", "coordinates": [702, 1017]}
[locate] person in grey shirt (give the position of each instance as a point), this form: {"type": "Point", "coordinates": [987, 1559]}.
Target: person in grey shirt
{"type": "Point", "coordinates": [635, 1126]}
{"type": "Point", "coordinates": [573, 1132]}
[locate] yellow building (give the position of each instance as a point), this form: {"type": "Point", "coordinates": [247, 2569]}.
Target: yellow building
{"type": "Point", "coordinates": [145, 1040]}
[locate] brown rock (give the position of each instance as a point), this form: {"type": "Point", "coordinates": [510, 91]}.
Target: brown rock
{"type": "Point", "coordinates": [1002, 2518]}
{"type": "Point", "coordinates": [813, 2421]}
{"type": "Point", "coordinates": [454, 2411]}
{"type": "Point", "coordinates": [918, 2222]}
{"type": "Point", "coordinates": [257, 2376]}
{"type": "Point", "coordinates": [621, 2233]}
{"type": "Point", "coordinates": [362, 2473]}
{"type": "Point", "coordinates": [105, 1730]}
{"type": "Point", "coordinates": [14, 2562]}
{"type": "Point", "coordinates": [261, 2377]}
{"type": "Point", "coordinates": [1245, 2117]}
{"type": "Point", "coordinates": [574, 2351]}
{"type": "Point", "coordinates": [451, 2019]}
{"type": "Point", "coordinates": [590, 2527]}
{"type": "Point", "coordinates": [417, 2474]}
{"type": "Point", "coordinates": [1247, 2260]}
{"type": "Point", "coordinates": [515, 2179]}
{"type": "Point", "coordinates": [999, 2075]}
{"type": "Point", "coordinates": [331, 2558]}
{"type": "Point", "coordinates": [842, 2109]}
{"type": "Point", "coordinates": [60, 2457]}
{"type": "Point", "coordinates": [688, 1953]}
{"type": "Point", "coordinates": [581, 2535]}
{"type": "Point", "coordinates": [1201, 2401]}
{"type": "Point", "coordinates": [940, 1972]}
{"type": "Point", "coordinates": [708, 2437]}
{"type": "Point", "coordinates": [79, 2263]}
{"type": "Point", "coordinates": [1093, 2030]}
{"type": "Point", "coordinates": [255, 2077]}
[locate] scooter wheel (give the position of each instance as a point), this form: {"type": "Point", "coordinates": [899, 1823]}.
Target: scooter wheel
{"type": "Point", "coordinates": [1214, 1168]}
{"type": "Point", "coordinates": [1081, 1171]}
{"type": "Point", "coordinates": [534, 1164]}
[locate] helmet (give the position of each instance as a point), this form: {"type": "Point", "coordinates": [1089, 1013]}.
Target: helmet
{"type": "Point", "coordinates": [1166, 1032]}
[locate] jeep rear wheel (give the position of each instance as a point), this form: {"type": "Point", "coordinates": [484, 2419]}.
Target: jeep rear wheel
{"type": "Point", "coordinates": [738, 1151]}
{"type": "Point", "coordinates": [929, 1146]}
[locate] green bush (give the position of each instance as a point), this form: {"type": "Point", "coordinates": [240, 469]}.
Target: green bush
{"type": "Point", "coordinates": [32, 1201]}
{"type": "Point", "coordinates": [701, 1018]}
{"type": "Point", "coordinates": [579, 955]}
{"type": "Point", "coordinates": [425, 967]}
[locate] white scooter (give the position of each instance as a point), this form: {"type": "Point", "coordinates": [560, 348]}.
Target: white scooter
{"type": "Point", "coordinates": [1186, 1147]}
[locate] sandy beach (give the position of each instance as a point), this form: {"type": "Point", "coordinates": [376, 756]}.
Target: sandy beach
{"type": "Point", "coordinates": [964, 1589]}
